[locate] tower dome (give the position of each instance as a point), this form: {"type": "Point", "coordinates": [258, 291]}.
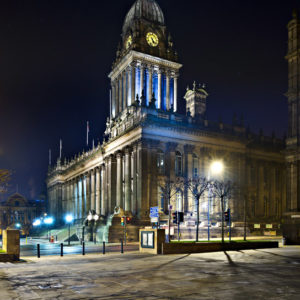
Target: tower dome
{"type": "Point", "coordinates": [144, 9]}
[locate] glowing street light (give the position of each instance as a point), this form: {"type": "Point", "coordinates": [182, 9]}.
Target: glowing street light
{"type": "Point", "coordinates": [37, 222]}
{"type": "Point", "coordinates": [49, 220]}
{"type": "Point", "coordinates": [18, 225]}
{"type": "Point", "coordinates": [217, 167]}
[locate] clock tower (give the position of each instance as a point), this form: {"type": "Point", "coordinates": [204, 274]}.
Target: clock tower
{"type": "Point", "coordinates": [145, 71]}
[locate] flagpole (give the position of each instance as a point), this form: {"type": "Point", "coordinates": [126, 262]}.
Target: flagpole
{"type": "Point", "coordinates": [87, 133]}
{"type": "Point", "coordinates": [60, 148]}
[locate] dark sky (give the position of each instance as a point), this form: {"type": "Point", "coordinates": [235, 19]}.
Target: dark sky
{"type": "Point", "coordinates": [55, 57]}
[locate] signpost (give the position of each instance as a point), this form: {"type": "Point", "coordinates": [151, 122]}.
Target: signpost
{"type": "Point", "coordinates": [154, 215]}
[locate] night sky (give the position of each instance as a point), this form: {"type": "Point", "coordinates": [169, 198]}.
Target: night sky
{"type": "Point", "coordinates": [55, 57]}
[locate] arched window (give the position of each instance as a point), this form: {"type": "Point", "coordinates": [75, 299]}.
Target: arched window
{"type": "Point", "coordinates": [195, 166]}
{"type": "Point", "coordinates": [178, 164]}
{"type": "Point", "coordinates": [160, 162]}
{"type": "Point", "coordinates": [179, 204]}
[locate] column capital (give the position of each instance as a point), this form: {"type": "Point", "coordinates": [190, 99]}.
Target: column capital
{"type": "Point", "coordinates": [189, 148]}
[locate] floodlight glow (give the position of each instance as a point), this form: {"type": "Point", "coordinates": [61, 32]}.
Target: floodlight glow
{"type": "Point", "coordinates": [69, 218]}
{"type": "Point", "coordinates": [18, 225]}
{"type": "Point", "coordinates": [48, 220]}
{"type": "Point", "coordinates": [217, 167]}
{"type": "Point", "coordinates": [90, 217]}
{"type": "Point", "coordinates": [37, 223]}
{"type": "Point", "coordinates": [96, 217]}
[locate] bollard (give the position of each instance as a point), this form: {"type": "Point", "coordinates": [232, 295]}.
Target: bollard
{"type": "Point", "coordinates": [122, 250]}
{"type": "Point", "coordinates": [103, 248]}
{"type": "Point", "coordinates": [38, 251]}
{"type": "Point", "coordinates": [61, 249]}
{"type": "Point", "coordinates": [83, 248]}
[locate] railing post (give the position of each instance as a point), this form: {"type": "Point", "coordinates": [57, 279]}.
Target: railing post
{"type": "Point", "coordinates": [83, 248]}
{"type": "Point", "coordinates": [61, 249]}
{"type": "Point", "coordinates": [38, 251]}
{"type": "Point", "coordinates": [103, 248]}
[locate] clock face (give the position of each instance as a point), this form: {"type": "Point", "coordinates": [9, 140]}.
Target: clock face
{"type": "Point", "coordinates": [152, 39]}
{"type": "Point", "coordinates": [128, 42]}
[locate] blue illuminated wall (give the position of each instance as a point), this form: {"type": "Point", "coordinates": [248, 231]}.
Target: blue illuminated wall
{"type": "Point", "coordinates": [146, 76]}
{"type": "Point", "coordinates": [155, 87]}
{"type": "Point", "coordinates": [137, 83]}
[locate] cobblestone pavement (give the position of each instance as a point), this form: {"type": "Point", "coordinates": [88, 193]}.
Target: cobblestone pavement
{"type": "Point", "coordinates": [252, 274]}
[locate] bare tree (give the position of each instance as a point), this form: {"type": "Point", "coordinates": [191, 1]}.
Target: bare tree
{"type": "Point", "coordinates": [168, 189]}
{"type": "Point", "coordinates": [5, 176]}
{"type": "Point", "coordinates": [223, 190]}
{"type": "Point", "coordinates": [197, 186]}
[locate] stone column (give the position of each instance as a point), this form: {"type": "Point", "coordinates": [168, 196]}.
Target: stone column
{"type": "Point", "coordinates": [71, 207]}
{"type": "Point", "coordinates": [120, 94]}
{"type": "Point", "coordinates": [75, 197]}
{"type": "Point", "coordinates": [142, 79]}
{"type": "Point", "coordinates": [159, 89]}
{"type": "Point", "coordinates": [103, 191]}
{"type": "Point", "coordinates": [127, 180]}
{"type": "Point", "coordinates": [150, 83]}
{"type": "Point", "coordinates": [133, 94]}
{"type": "Point", "coordinates": [134, 180]}
{"type": "Point", "coordinates": [124, 76]}
{"type": "Point", "coordinates": [119, 180]}
{"type": "Point", "coordinates": [93, 206]}
{"type": "Point", "coordinates": [113, 101]}
{"type": "Point", "coordinates": [168, 105]}
{"type": "Point", "coordinates": [87, 192]}
{"type": "Point", "coordinates": [116, 85]}
{"type": "Point", "coordinates": [175, 92]}
{"type": "Point", "coordinates": [111, 183]}
{"type": "Point", "coordinates": [188, 197]}
{"type": "Point", "coordinates": [98, 204]}
{"type": "Point", "coordinates": [139, 178]}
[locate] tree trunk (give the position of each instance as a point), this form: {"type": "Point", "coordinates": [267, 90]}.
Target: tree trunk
{"type": "Point", "coordinates": [245, 219]}
{"type": "Point", "coordinates": [198, 218]}
{"type": "Point", "coordinates": [222, 208]}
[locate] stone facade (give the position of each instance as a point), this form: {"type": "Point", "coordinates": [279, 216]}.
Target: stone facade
{"type": "Point", "coordinates": [147, 141]}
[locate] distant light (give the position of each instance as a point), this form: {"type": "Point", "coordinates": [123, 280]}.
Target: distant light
{"type": "Point", "coordinates": [69, 218]}
{"type": "Point", "coordinates": [48, 220]}
{"type": "Point", "coordinates": [37, 222]}
{"type": "Point", "coordinates": [90, 217]}
{"type": "Point", "coordinates": [217, 167]}
{"type": "Point", "coordinates": [45, 214]}
{"type": "Point", "coordinates": [18, 225]}
{"type": "Point", "coordinates": [96, 217]}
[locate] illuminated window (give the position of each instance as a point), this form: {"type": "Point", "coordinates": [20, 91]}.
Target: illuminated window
{"type": "Point", "coordinates": [160, 162]}
{"type": "Point", "coordinates": [195, 166]}
{"type": "Point", "coordinates": [178, 164]}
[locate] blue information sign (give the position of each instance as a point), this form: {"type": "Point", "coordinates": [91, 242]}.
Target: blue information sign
{"type": "Point", "coordinates": [154, 212]}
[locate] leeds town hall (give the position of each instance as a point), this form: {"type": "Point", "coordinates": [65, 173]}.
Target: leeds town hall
{"type": "Point", "coordinates": [148, 141]}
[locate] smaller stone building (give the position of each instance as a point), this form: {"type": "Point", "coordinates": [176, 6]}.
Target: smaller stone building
{"type": "Point", "coordinates": [19, 213]}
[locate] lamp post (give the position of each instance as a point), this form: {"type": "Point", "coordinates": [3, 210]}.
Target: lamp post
{"type": "Point", "coordinates": [69, 220]}
{"type": "Point", "coordinates": [216, 169]}
{"type": "Point", "coordinates": [93, 218]}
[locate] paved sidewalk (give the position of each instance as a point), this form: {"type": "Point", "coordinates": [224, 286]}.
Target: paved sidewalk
{"type": "Point", "coordinates": [252, 274]}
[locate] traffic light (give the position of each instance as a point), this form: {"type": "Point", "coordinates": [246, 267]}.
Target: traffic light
{"type": "Point", "coordinates": [175, 221]}
{"type": "Point", "coordinates": [227, 215]}
{"type": "Point", "coordinates": [122, 221]}
{"type": "Point", "coordinates": [128, 220]}
{"type": "Point", "coordinates": [180, 215]}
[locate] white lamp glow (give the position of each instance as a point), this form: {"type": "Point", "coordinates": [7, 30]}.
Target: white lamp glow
{"type": "Point", "coordinates": [217, 167]}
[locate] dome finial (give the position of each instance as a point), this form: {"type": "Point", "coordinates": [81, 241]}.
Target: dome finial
{"type": "Point", "coordinates": [295, 13]}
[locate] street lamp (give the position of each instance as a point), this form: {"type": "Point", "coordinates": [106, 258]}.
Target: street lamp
{"type": "Point", "coordinates": [93, 217]}
{"type": "Point", "coordinates": [216, 169]}
{"type": "Point", "coordinates": [69, 220]}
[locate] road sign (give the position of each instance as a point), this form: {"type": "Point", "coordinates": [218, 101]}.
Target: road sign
{"type": "Point", "coordinates": [154, 212]}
